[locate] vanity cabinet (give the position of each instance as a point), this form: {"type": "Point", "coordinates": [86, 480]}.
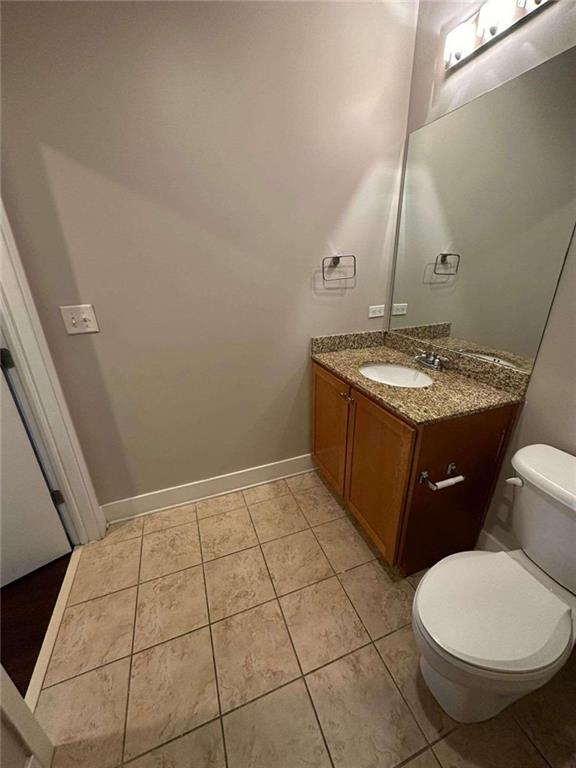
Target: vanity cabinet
{"type": "Point", "coordinates": [374, 461]}
{"type": "Point", "coordinates": [378, 462]}
{"type": "Point", "coordinates": [330, 398]}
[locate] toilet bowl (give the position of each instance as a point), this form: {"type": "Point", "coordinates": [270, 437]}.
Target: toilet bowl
{"type": "Point", "coordinates": [494, 626]}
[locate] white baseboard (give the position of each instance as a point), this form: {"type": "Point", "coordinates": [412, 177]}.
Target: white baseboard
{"type": "Point", "coordinates": [487, 542]}
{"type": "Point", "coordinates": [202, 489]}
{"type": "Point", "coordinates": [39, 672]}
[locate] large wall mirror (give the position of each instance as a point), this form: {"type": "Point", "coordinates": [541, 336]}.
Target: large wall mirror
{"type": "Point", "coordinates": [488, 209]}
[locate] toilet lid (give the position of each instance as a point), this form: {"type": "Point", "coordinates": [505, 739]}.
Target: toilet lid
{"type": "Point", "coordinates": [487, 610]}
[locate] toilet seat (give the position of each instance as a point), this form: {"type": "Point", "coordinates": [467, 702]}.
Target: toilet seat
{"type": "Point", "coordinates": [486, 611]}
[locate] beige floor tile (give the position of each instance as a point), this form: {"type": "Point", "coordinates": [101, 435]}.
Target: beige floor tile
{"type": "Point", "coordinates": [296, 561]}
{"type": "Point", "coordinates": [383, 605]}
{"type": "Point", "coordinates": [401, 656]}
{"type": "Point", "coordinates": [265, 492]}
{"type": "Point", "coordinates": [277, 517]}
{"type": "Point", "coordinates": [170, 606]}
{"type": "Point", "coordinates": [237, 582]}
{"type": "Point", "coordinates": [277, 731]}
{"type": "Point", "coordinates": [203, 748]}
{"type": "Point", "coordinates": [365, 720]}
{"type": "Point", "coordinates": [129, 529]}
{"type": "Point", "coordinates": [226, 533]}
{"type": "Point", "coordinates": [416, 578]}
{"type": "Point", "coordinates": [424, 760]}
{"type": "Point", "coordinates": [170, 550]}
{"type": "Point", "coordinates": [322, 623]}
{"type": "Point", "coordinates": [218, 504]}
{"type": "Point", "coordinates": [92, 634]}
{"type": "Point", "coordinates": [84, 717]}
{"type": "Point", "coordinates": [305, 482]}
{"type": "Point", "coordinates": [497, 743]}
{"type": "Point", "coordinates": [172, 690]}
{"type": "Point", "coordinates": [253, 654]}
{"type": "Point", "coordinates": [343, 545]}
{"type": "Point", "coordinates": [102, 570]}
{"type": "Point", "coordinates": [169, 518]}
{"type": "Point", "coordinates": [319, 506]}
{"type": "Point", "coordinates": [548, 716]}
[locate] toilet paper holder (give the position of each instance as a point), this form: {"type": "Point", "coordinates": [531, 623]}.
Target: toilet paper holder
{"type": "Point", "coordinates": [452, 479]}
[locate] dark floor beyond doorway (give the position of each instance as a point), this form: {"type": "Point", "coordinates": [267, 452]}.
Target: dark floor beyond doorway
{"type": "Point", "coordinates": [26, 606]}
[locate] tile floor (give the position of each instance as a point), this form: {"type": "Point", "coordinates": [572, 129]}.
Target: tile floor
{"type": "Point", "coordinates": [259, 630]}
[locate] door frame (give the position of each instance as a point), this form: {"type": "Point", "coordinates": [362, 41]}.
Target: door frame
{"type": "Point", "coordinates": [29, 349]}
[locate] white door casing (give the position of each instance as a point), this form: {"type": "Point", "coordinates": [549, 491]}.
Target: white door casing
{"type": "Point", "coordinates": [27, 343]}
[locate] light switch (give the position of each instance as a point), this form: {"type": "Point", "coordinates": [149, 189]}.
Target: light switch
{"type": "Point", "coordinates": [399, 309]}
{"type": "Point", "coordinates": [377, 310]}
{"type": "Point", "coordinates": [79, 318]}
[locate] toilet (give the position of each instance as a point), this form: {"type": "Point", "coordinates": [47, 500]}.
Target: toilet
{"type": "Point", "coordinates": [494, 626]}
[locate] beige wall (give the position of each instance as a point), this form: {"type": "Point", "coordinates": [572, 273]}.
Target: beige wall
{"type": "Point", "coordinates": [550, 412]}
{"type": "Point", "coordinates": [185, 167]}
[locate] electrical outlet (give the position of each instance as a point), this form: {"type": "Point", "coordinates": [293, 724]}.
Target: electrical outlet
{"type": "Point", "coordinates": [399, 309]}
{"type": "Point", "coordinates": [79, 318]}
{"type": "Point", "coordinates": [377, 310]}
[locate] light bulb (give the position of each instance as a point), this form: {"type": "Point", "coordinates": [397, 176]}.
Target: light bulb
{"type": "Point", "coordinates": [460, 42]}
{"type": "Point", "coordinates": [495, 17]}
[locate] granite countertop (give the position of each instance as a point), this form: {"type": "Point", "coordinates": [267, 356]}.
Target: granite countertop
{"type": "Point", "coordinates": [450, 395]}
{"type": "Point", "coordinates": [470, 347]}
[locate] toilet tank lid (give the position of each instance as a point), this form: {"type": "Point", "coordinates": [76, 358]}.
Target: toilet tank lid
{"type": "Point", "coordinates": [549, 469]}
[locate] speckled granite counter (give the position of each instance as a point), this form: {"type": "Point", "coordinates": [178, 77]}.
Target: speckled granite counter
{"type": "Point", "coordinates": [450, 395]}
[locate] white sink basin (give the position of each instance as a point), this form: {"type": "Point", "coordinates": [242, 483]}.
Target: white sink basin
{"type": "Point", "coordinates": [395, 375]}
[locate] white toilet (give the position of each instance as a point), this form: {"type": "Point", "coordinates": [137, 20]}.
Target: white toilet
{"type": "Point", "coordinates": [493, 626]}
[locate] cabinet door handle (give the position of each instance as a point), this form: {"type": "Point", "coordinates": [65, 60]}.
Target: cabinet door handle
{"type": "Point", "coordinates": [344, 395]}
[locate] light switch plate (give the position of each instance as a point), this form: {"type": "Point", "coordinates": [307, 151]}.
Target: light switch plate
{"type": "Point", "coordinates": [399, 309]}
{"type": "Point", "coordinates": [377, 310]}
{"type": "Point", "coordinates": [79, 318]}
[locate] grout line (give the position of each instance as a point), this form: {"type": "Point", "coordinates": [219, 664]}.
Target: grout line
{"type": "Point", "coordinates": [87, 671]}
{"type": "Point", "coordinates": [530, 739]}
{"type": "Point", "coordinates": [105, 594]}
{"type": "Point", "coordinates": [373, 644]}
{"type": "Point", "coordinates": [416, 755]}
{"type": "Point", "coordinates": [296, 655]}
{"type": "Point", "coordinates": [170, 741]}
{"type": "Point", "coordinates": [167, 527]}
{"type": "Point", "coordinates": [132, 653]}
{"type": "Point", "coordinates": [215, 670]}
{"type": "Point", "coordinates": [262, 695]}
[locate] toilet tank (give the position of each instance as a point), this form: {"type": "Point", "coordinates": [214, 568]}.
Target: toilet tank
{"type": "Point", "coordinates": [544, 516]}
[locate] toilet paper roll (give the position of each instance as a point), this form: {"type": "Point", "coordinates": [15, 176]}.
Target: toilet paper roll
{"type": "Point", "coordinates": [448, 482]}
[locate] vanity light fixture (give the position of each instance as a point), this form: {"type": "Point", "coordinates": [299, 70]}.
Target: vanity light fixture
{"type": "Point", "coordinates": [494, 19]}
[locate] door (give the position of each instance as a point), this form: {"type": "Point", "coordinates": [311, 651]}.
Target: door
{"type": "Point", "coordinates": [379, 460]}
{"type": "Point", "coordinates": [330, 401]}
{"type": "Point", "coordinates": [440, 523]}
{"type": "Point", "coordinates": [32, 532]}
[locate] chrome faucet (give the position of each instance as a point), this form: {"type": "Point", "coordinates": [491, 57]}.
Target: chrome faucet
{"type": "Point", "coordinates": [430, 360]}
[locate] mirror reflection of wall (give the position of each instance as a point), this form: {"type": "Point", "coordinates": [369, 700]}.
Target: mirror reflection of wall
{"type": "Point", "coordinates": [495, 182]}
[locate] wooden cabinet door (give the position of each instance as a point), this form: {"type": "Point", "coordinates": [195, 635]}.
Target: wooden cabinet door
{"type": "Point", "coordinates": [330, 405]}
{"type": "Point", "coordinates": [439, 523]}
{"type": "Point", "coordinates": [379, 460]}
